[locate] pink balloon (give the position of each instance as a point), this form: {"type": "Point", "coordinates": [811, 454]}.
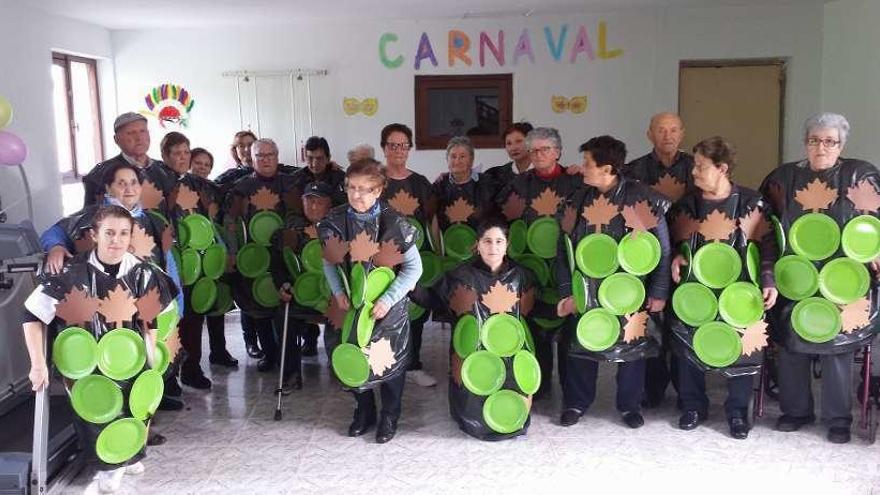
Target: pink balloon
{"type": "Point", "coordinates": [13, 151]}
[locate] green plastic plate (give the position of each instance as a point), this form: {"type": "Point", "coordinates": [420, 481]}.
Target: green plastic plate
{"type": "Point", "coordinates": [815, 236]}
{"type": "Point", "coordinates": [717, 344]}
{"type": "Point", "coordinates": [639, 252]}
{"type": "Point", "coordinates": [121, 354]}
{"type": "Point", "coordinates": [598, 330]}
{"type": "Point", "coordinates": [96, 399]}
{"type": "Point", "coordinates": [121, 440]}
{"type": "Point", "coordinates": [75, 352]}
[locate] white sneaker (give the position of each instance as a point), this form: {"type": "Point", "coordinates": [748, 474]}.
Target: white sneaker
{"type": "Point", "coordinates": [110, 481]}
{"type": "Point", "coordinates": [135, 469]}
{"type": "Point", "coordinates": [421, 378]}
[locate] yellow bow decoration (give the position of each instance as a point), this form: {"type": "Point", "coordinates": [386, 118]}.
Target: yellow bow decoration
{"type": "Point", "coordinates": [368, 106]}
{"type": "Point", "coordinates": [577, 104]}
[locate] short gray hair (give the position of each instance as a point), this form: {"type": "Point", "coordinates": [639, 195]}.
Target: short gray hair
{"type": "Point", "coordinates": [462, 141]}
{"type": "Point", "coordinates": [544, 133]}
{"type": "Point", "coordinates": [259, 143]}
{"type": "Point", "coordinates": [362, 148]}
{"type": "Point", "coordinates": [828, 120]}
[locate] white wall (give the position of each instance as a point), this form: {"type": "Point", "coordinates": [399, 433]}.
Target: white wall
{"type": "Point", "coordinates": [28, 37]}
{"type": "Point", "coordinates": [851, 72]}
{"type": "Point", "coordinates": [623, 92]}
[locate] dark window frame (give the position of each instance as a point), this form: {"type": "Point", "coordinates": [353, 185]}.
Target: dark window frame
{"type": "Point", "coordinates": [65, 60]}
{"type": "Point", "coordinates": [503, 83]}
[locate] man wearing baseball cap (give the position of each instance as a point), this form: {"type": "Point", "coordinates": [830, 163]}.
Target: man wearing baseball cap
{"type": "Point", "coordinates": [133, 138]}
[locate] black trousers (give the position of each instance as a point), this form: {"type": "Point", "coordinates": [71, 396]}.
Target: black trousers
{"type": "Point", "coordinates": [795, 391]}
{"type": "Point", "coordinates": [415, 331]}
{"type": "Point", "coordinates": [392, 395]}
{"type": "Point", "coordinates": [248, 331]}
{"type": "Point", "coordinates": [311, 332]}
{"type": "Point", "coordinates": [262, 328]}
{"type": "Point", "coordinates": [662, 369]}
{"type": "Point", "coordinates": [579, 385]}
{"type": "Point", "coordinates": [692, 391]}
{"type": "Point", "coordinates": [191, 339]}
{"type": "Point", "coordinates": [293, 354]}
{"type": "Point", "coordinates": [544, 342]}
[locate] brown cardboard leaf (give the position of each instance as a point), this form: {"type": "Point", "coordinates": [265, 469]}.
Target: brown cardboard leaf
{"type": "Point", "coordinates": [499, 299]}
{"type": "Point", "coordinates": [363, 247]}
{"type": "Point", "coordinates": [600, 212]}
{"type": "Point", "coordinates": [717, 226]}
{"type": "Point", "coordinates": [816, 196]}
{"type": "Point", "coordinates": [77, 307]}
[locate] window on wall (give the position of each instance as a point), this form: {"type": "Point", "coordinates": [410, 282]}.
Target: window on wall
{"type": "Point", "coordinates": [77, 122]}
{"type": "Point", "coordinates": [479, 107]}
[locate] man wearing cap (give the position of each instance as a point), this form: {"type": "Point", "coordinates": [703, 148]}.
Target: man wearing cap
{"type": "Point", "coordinates": [299, 231]}
{"type": "Point", "coordinates": [133, 138]}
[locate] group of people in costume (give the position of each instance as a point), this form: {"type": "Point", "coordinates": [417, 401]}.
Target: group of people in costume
{"type": "Point", "coordinates": [663, 265]}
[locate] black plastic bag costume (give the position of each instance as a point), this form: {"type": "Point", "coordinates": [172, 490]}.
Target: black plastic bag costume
{"type": "Point", "coordinates": [848, 189]}
{"type": "Point", "coordinates": [738, 220]}
{"type": "Point", "coordinates": [84, 296]}
{"type": "Point", "coordinates": [347, 240]}
{"type": "Point", "coordinates": [628, 208]}
{"type": "Point", "coordinates": [472, 289]}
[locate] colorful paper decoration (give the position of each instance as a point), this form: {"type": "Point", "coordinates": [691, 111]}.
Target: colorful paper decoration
{"type": "Point", "coordinates": [170, 104]}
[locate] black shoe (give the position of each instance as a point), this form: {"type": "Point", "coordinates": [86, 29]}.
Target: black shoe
{"type": "Point", "coordinates": [156, 439]}
{"type": "Point", "coordinates": [386, 430]}
{"type": "Point", "coordinates": [254, 351]}
{"type": "Point", "coordinates": [198, 381]}
{"type": "Point", "coordinates": [361, 423]}
{"type": "Point", "coordinates": [309, 349]}
{"type": "Point", "coordinates": [788, 423]}
{"type": "Point", "coordinates": [291, 383]}
{"type": "Point", "coordinates": [633, 419]}
{"type": "Point", "coordinates": [739, 428]}
{"type": "Point", "coordinates": [224, 359]}
{"type": "Point", "coordinates": [690, 420]}
{"type": "Point", "coordinates": [170, 404]}
{"type": "Point", "coordinates": [265, 364]}
{"type": "Point", "coordinates": [172, 388]}
{"type": "Point", "coordinates": [838, 434]}
{"type": "Point", "coordinates": [570, 417]}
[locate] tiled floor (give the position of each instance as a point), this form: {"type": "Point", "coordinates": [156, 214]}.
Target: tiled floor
{"type": "Point", "coordinates": [227, 442]}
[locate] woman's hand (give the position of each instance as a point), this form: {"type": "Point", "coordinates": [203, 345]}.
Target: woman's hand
{"type": "Point", "coordinates": [39, 377]}
{"type": "Point", "coordinates": [380, 309]}
{"type": "Point", "coordinates": [284, 294]}
{"type": "Point", "coordinates": [342, 301]}
{"type": "Point", "coordinates": [770, 294]}
{"type": "Point", "coordinates": [55, 259]}
{"type": "Point", "coordinates": [574, 169]}
{"type": "Point", "coordinates": [565, 307]}
{"type": "Point", "coordinates": [677, 263]}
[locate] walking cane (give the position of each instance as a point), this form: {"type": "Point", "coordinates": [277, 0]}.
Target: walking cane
{"type": "Point", "coordinates": [286, 288]}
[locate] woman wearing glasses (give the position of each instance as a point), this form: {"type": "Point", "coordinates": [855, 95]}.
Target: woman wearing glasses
{"type": "Point", "coordinates": [366, 236]}
{"type": "Point", "coordinates": [535, 194]}
{"type": "Point", "coordinates": [814, 199]}
{"type": "Point", "coordinates": [409, 193]}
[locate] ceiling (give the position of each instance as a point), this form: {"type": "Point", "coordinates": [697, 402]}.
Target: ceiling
{"type": "Point", "coordinates": [153, 14]}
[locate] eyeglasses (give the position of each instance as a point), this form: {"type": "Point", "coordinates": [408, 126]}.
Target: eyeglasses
{"type": "Point", "coordinates": [398, 146]}
{"type": "Point", "coordinates": [826, 143]}
{"type": "Point", "coordinates": [542, 150]}
{"type": "Point", "coordinates": [361, 191]}
{"type": "Point", "coordinates": [260, 156]}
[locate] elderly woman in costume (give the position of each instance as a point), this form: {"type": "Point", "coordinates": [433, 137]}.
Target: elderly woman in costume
{"type": "Point", "coordinates": [826, 274]}
{"type": "Point", "coordinates": [531, 201]}
{"type": "Point", "coordinates": [725, 228]}
{"type": "Point", "coordinates": [410, 194]}
{"type": "Point", "coordinates": [103, 295]}
{"type": "Point", "coordinates": [369, 249]}
{"type": "Point", "coordinates": [616, 278]}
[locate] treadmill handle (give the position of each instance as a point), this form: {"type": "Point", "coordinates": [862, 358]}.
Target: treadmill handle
{"type": "Point", "coordinates": [39, 456]}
